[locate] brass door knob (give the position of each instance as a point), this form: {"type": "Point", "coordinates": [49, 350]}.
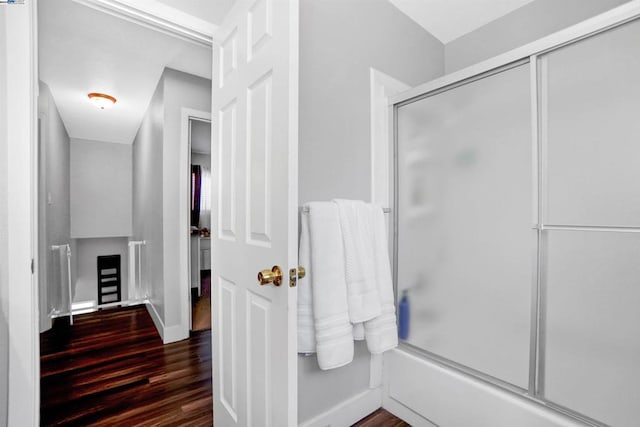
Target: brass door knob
{"type": "Point", "coordinates": [270, 276]}
{"type": "Point", "coordinates": [301, 272]}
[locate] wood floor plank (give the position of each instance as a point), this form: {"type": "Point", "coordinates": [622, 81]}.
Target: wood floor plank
{"type": "Point", "coordinates": [111, 368]}
{"type": "Point", "coordinates": [381, 418]}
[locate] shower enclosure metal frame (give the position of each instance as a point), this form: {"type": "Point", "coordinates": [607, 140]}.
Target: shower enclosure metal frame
{"type": "Point", "coordinates": [528, 54]}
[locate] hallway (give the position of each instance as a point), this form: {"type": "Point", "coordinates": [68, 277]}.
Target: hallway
{"type": "Point", "coordinates": [112, 368]}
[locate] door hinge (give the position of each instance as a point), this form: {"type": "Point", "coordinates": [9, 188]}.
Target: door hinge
{"type": "Point", "coordinates": [33, 266]}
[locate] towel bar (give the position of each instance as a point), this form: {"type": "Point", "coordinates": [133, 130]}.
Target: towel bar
{"type": "Point", "coordinates": [306, 210]}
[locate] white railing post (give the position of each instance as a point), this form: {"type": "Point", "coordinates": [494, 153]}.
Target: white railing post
{"type": "Point", "coordinates": [135, 270]}
{"type": "Point", "coordinates": [67, 252]}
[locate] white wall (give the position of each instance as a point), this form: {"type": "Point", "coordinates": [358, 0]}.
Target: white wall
{"type": "Point", "coordinates": [87, 253]}
{"type": "Point", "coordinates": [181, 91]}
{"type": "Point", "coordinates": [54, 204]}
{"type": "Point", "coordinates": [101, 189]}
{"type": "Point", "coordinates": [335, 57]}
{"type": "Point", "coordinates": [201, 159]}
{"type": "Point", "coordinates": [147, 197]}
{"type": "Point", "coordinates": [157, 204]}
{"type": "Point", "coordinates": [529, 23]}
{"type": "Point", "coordinates": [339, 42]}
{"type": "Point", "coordinates": [4, 280]}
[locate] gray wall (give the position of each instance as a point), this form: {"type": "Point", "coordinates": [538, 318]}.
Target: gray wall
{"type": "Point", "coordinates": [156, 186]}
{"type": "Point", "coordinates": [339, 42]}
{"type": "Point", "coordinates": [54, 204]}
{"type": "Point", "coordinates": [201, 159]}
{"type": "Point", "coordinates": [147, 197]}
{"type": "Point", "coordinates": [529, 23]}
{"type": "Point", "coordinates": [101, 194]}
{"type": "Point", "coordinates": [180, 90]}
{"type": "Point", "coordinates": [4, 280]}
{"type": "Point", "coordinates": [86, 254]}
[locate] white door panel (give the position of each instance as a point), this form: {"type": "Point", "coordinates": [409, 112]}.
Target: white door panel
{"type": "Point", "coordinates": [255, 196]}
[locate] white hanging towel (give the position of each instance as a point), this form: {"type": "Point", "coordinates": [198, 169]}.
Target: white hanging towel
{"type": "Point", "coordinates": [381, 332]}
{"type": "Point", "coordinates": [306, 328]}
{"type": "Point", "coordinates": [333, 330]}
{"type": "Point", "coordinates": [362, 287]}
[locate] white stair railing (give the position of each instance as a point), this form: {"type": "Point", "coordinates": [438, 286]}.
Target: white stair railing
{"type": "Point", "coordinates": [65, 251]}
{"type": "Point", "coordinates": [136, 293]}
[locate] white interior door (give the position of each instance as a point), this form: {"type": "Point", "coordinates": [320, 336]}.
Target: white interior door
{"type": "Point", "coordinates": [254, 159]}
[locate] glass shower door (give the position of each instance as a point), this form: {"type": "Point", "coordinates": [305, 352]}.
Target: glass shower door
{"type": "Point", "coordinates": [465, 238]}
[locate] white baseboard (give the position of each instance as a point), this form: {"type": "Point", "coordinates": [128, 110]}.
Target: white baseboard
{"type": "Point", "coordinates": [168, 334]}
{"type": "Point", "coordinates": [348, 412]}
{"type": "Point", "coordinates": [404, 413]}
{"type": "Point", "coordinates": [156, 319]}
{"type": "Point", "coordinates": [174, 333]}
{"type": "Point", "coordinates": [46, 323]}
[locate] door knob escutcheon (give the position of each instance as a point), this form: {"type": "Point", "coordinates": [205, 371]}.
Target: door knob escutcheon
{"type": "Point", "coordinates": [270, 276]}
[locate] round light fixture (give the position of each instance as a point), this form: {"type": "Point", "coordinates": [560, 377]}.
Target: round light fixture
{"type": "Point", "coordinates": [102, 100]}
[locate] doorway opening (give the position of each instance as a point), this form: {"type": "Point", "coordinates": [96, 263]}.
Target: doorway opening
{"type": "Point", "coordinates": [199, 129]}
{"type": "Point", "coordinates": [110, 188]}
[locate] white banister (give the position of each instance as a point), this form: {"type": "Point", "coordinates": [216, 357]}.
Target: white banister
{"type": "Point", "coordinates": [135, 269]}
{"type": "Point", "coordinates": [67, 251]}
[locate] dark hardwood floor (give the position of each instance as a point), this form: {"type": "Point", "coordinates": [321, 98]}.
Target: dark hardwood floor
{"type": "Point", "coordinates": [111, 368]}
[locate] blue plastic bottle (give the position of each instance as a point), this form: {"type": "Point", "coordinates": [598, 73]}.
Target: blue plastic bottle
{"type": "Point", "coordinates": [403, 316]}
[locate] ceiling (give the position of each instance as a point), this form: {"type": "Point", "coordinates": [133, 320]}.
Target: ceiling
{"type": "Point", "coordinates": [82, 50]}
{"type": "Point", "coordinates": [449, 19]}
{"type": "Point", "coordinates": [210, 10]}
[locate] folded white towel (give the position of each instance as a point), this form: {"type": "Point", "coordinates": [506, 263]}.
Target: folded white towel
{"type": "Point", "coordinates": [334, 335]}
{"type": "Point", "coordinates": [381, 333]}
{"type": "Point", "coordinates": [306, 328]}
{"type": "Point", "coordinates": [357, 235]}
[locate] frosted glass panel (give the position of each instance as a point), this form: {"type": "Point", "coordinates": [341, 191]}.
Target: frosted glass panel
{"type": "Point", "coordinates": [592, 357]}
{"type": "Point", "coordinates": [464, 216]}
{"type": "Point", "coordinates": [591, 94]}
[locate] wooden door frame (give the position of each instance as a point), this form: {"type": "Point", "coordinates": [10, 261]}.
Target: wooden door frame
{"type": "Point", "coordinates": [22, 175]}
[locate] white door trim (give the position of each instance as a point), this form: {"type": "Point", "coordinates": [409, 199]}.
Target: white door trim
{"type": "Point", "coordinates": [184, 221]}
{"type": "Point", "coordinates": [159, 17]}
{"type": "Point", "coordinates": [382, 87]}
{"type": "Point", "coordinates": [22, 172]}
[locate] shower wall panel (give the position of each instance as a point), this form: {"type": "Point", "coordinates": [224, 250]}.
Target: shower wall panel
{"type": "Point", "coordinates": [590, 93]}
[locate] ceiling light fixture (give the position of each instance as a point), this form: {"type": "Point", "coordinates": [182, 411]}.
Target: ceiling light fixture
{"type": "Point", "coordinates": [102, 100]}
